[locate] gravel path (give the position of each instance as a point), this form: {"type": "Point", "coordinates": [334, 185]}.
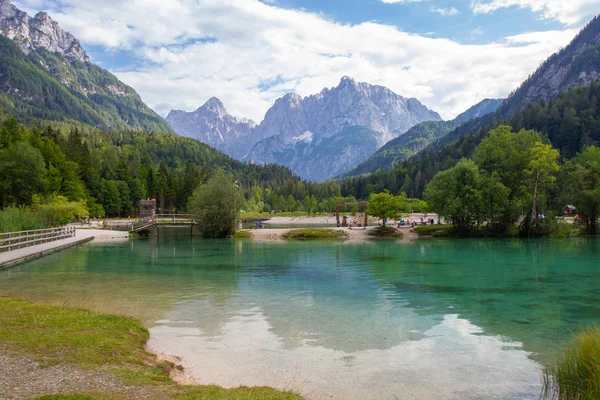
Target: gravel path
{"type": "Point", "coordinates": [21, 377]}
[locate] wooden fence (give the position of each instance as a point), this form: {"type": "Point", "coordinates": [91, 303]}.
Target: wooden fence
{"type": "Point", "coordinates": [17, 240]}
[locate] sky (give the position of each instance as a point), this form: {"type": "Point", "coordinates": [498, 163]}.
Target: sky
{"type": "Point", "coordinates": [448, 54]}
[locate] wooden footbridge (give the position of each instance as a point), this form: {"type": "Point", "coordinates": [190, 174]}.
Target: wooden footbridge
{"type": "Point", "coordinates": [149, 223]}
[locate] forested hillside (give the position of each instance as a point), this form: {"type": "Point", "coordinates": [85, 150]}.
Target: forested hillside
{"type": "Point", "coordinates": [578, 64]}
{"type": "Point", "coordinates": [111, 171]}
{"type": "Point", "coordinates": [570, 122]}
{"type": "Point", "coordinates": [419, 137]}
{"type": "Point", "coordinates": [46, 86]}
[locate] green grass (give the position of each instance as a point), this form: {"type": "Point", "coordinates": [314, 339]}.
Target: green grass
{"type": "Point", "coordinates": [385, 232]}
{"type": "Point", "coordinates": [435, 230]}
{"type": "Point", "coordinates": [116, 345]}
{"type": "Point", "coordinates": [243, 235]}
{"type": "Point", "coordinates": [576, 374]}
{"type": "Point", "coordinates": [306, 234]}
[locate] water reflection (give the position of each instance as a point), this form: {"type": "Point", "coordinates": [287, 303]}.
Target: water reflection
{"type": "Point", "coordinates": [468, 319]}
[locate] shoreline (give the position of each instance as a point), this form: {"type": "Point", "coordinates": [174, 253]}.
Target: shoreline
{"type": "Point", "coordinates": [77, 352]}
{"type": "Point", "coordinates": [353, 234]}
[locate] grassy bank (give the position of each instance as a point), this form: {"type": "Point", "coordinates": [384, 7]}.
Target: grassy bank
{"type": "Point", "coordinates": [385, 232]}
{"type": "Point", "coordinates": [436, 231]}
{"type": "Point", "coordinates": [243, 235]}
{"type": "Point", "coordinates": [103, 344]}
{"type": "Point", "coordinates": [576, 374]}
{"type": "Point", "coordinates": [309, 234]}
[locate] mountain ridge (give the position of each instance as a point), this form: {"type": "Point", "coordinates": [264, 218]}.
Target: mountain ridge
{"type": "Point", "coordinates": [295, 125]}
{"type": "Point", "coordinates": [46, 75]}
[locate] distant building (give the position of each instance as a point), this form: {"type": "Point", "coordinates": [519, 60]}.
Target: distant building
{"type": "Point", "coordinates": [147, 208]}
{"type": "Point", "coordinates": [570, 211]}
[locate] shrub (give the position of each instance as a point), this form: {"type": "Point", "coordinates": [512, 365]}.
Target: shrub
{"type": "Point", "coordinates": [385, 232]}
{"type": "Point", "coordinates": [304, 234]}
{"type": "Point", "coordinates": [576, 374]}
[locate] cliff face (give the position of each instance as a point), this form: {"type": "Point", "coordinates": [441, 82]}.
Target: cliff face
{"type": "Point", "coordinates": [38, 32]}
{"type": "Point", "coordinates": [576, 65]}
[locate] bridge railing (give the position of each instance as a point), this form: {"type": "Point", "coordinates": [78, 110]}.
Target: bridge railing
{"type": "Point", "coordinates": [173, 218]}
{"type": "Point", "coordinates": [16, 240]}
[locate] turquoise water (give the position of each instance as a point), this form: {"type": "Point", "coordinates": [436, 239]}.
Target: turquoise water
{"type": "Point", "coordinates": [455, 319]}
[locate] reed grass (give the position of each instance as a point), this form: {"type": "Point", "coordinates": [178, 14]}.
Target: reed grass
{"type": "Point", "coordinates": [576, 373]}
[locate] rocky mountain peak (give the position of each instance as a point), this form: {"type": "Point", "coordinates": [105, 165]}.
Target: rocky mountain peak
{"type": "Point", "coordinates": [346, 80]}
{"type": "Point", "coordinates": [214, 104]}
{"type": "Point", "coordinates": [40, 31]}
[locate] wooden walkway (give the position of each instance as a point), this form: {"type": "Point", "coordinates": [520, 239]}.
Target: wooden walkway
{"type": "Point", "coordinates": [14, 257]}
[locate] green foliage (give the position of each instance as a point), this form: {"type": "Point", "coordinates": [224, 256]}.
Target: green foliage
{"type": "Point", "coordinates": [385, 232]}
{"type": "Point", "coordinates": [112, 171]}
{"type": "Point", "coordinates": [22, 174]}
{"type": "Point", "coordinates": [576, 374]}
{"type": "Point", "coordinates": [511, 172]}
{"type": "Point", "coordinates": [17, 219]}
{"type": "Point", "coordinates": [58, 210]}
{"type": "Point", "coordinates": [386, 206]}
{"type": "Point", "coordinates": [48, 213]}
{"type": "Point", "coordinates": [216, 204]}
{"type": "Point", "coordinates": [582, 178]}
{"type": "Point", "coordinates": [309, 234]}
{"type": "Point", "coordinates": [436, 230]}
{"type": "Point", "coordinates": [454, 194]}
{"type": "Point", "coordinates": [243, 235]}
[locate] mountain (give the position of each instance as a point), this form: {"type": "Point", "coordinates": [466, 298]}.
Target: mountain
{"type": "Point", "coordinates": [576, 65]}
{"type": "Point", "coordinates": [419, 137]}
{"type": "Point", "coordinates": [480, 109]}
{"type": "Point", "coordinates": [45, 74]}
{"type": "Point", "coordinates": [317, 137]}
{"type": "Point", "coordinates": [212, 124]}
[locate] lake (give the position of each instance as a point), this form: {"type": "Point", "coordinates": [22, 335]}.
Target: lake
{"type": "Point", "coordinates": [444, 319]}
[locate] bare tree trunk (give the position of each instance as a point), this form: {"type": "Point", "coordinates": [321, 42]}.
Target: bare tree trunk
{"type": "Point", "coordinates": [533, 210]}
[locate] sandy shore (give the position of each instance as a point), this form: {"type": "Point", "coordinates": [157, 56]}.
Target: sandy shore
{"type": "Point", "coordinates": [101, 235]}
{"type": "Point", "coordinates": [354, 234]}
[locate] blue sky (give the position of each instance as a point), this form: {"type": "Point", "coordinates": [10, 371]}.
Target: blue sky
{"type": "Point", "coordinates": [448, 54]}
{"type": "Point", "coordinates": [422, 18]}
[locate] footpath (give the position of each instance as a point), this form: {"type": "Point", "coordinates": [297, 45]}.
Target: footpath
{"type": "Point", "coordinates": [14, 257]}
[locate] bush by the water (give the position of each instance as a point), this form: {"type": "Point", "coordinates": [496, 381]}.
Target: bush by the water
{"type": "Point", "coordinates": [435, 230]}
{"type": "Point", "coordinates": [51, 213]}
{"type": "Point", "coordinates": [576, 374]}
{"type": "Point", "coordinates": [315, 234]}
{"type": "Point", "coordinates": [385, 232]}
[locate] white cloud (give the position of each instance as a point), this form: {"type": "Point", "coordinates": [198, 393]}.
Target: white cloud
{"type": "Point", "coordinates": [569, 12]}
{"type": "Point", "coordinates": [479, 31]}
{"type": "Point", "coordinates": [444, 11]}
{"type": "Point", "coordinates": [258, 52]}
